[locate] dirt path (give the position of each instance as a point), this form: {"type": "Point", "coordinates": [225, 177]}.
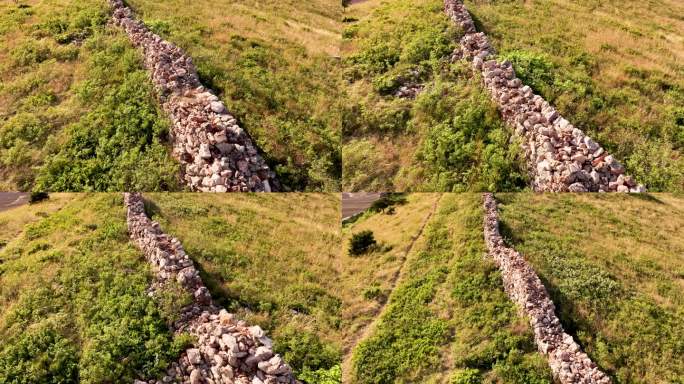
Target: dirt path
{"type": "Point", "coordinates": [354, 203]}
{"type": "Point", "coordinates": [9, 200]}
{"type": "Point", "coordinates": [347, 363]}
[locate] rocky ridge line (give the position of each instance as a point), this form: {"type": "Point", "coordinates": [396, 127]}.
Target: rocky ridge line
{"type": "Point", "coordinates": [216, 155]}
{"type": "Point", "coordinates": [561, 158]}
{"type": "Point", "coordinates": [227, 350]}
{"type": "Point", "coordinates": [568, 363]}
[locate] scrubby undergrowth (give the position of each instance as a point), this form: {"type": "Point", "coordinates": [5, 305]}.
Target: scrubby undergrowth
{"type": "Point", "coordinates": [78, 111]}
{"type": "Point", "coordinates": [450, 138]}
{"type": "Point", "coordinates": [449, 320]}
{"type": "Point", "coordinates": [73, 302]}
{"type": "Point", "coordinates": [613, 267]}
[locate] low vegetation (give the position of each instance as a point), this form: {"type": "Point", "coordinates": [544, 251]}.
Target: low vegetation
{"type": "Point", "coordinates": [448, 320]}
{"type": "Point", "coordinates": [274, 64]}
{"type": "Point", "coordinates": [77, 110]}
{"type": "Point", "coordinates": [450, 138]}
{"type": "Point", "coordinates": [73, 302]}
{"type": "Point", "coordinates": [270, 259]}
{"type": "Point", "coordinates": [615, 71]}
{"type": "Point", "coordinates": [361, 242]}
{"type": "Point", "coordinates": [613, 266]}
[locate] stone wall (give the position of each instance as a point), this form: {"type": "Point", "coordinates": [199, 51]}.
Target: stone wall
{"type": "Point", "coordinates": [216, 155]}
{"type": "Point", "coordinates": [560, 157]}
{"type": "Point", "coordinates": [568, 363]}
{"type": "Point", "coordinates": [227, 350]}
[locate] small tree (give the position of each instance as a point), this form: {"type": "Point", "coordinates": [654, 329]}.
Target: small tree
{"type": "Point", "coordinates": [361, 242]}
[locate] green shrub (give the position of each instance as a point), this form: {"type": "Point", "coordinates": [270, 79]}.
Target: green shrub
{"type": "Point", "coordinates": [361, 242]}
{"type": "Point", "coordinates": [37, 197]}
{"type": "Point", "coordinates": [322, 376]}
{"type": "Point", "coordinates": [466, 376]}
{"type": "Point", "coordinates": [39, 355]}
{"type": "Point", "coordinates": [304, 351]}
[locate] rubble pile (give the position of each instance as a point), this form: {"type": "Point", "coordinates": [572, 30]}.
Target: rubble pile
{"type": "Point", "coordinates": [227, 350]}
{"type": "Point", "coordinates": [216, 155]}
{"type": "Point", "coordinates": [568, 363]}
{"type": "Point", "coordinates": [561, 158]}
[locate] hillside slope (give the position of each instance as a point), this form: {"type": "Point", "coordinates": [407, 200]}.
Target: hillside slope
{"type": "Point", "coordinates": [414, 121]}
{"type": "Point", "coordinates": [73, 302]}
{"type": "Point", "coordinates": [448, 320]}
{"type": "Point", "coordinates": [614, 69]}
{"type": "Point", "coordinates": [614, 267]}
{"type": "Point", "coordinates": [268, 258]}
{"type": "Point", "coordinates": [274, 65]}
{"type": "Point", "coordinates": [77, 111]}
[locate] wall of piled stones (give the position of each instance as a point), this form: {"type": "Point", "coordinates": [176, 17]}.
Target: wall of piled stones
{"type": "Point", "coordinates": [568, 363]}
{"type": "Point", "coordinates": [227, 350]}
{"type": "Point", "coordinates": [560, 156]}
{"type": "Point", "coordinates": [216, 155]}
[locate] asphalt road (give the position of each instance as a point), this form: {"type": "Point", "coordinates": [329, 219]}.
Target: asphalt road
{"type": "Point", "coordinates": [9, 200]}
{"type": "Point", "coordinates": [353, 203]}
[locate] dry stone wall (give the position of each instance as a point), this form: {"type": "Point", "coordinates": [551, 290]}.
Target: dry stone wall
{"type": "Point", "coordinates": [561, 157]}
{"type": "Point", "coordinates": [227, 350]}
{"type": "Point", "coordinates": [216, 155]}
{"type": "Point", "coordinates": [568, 363]}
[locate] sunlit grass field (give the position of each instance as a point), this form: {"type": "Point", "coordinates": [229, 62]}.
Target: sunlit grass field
{"type": "Point", "coordinates": [614, 68]}
{"type": "Point", "coordinates": [77, 110]}
{"type": "Point", "coordinates": [614, 266]}
{"type": "Point", "coordinates": [448, 319]}
{"type": "Point", "coordinates": [275, 64]}
{"type": "Point", "coordinates": [73, 301]}
{"type": "Point", "coordinates": [269, 258]}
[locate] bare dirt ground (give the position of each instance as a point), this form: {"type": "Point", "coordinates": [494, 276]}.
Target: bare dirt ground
{"type": "Point", "coordinates": [10, 200]}
{"type": "Point", "coordinates": [353, 203]}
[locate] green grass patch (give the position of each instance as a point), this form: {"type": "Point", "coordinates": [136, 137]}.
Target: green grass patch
{"type": "Point", "coordinates": [449, 319]}
{"type": "Point", "coordinates": [74, 302]}
{"type": "Point", "coordinates": [450, 138]}
{"type": "Point", "coordinates": [610, 264]}
{"type": "Point", "coordinates": [79, 110]}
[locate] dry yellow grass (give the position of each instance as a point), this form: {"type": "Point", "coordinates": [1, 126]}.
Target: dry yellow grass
{"type": "Point", "coordinates": [314, 24]}
{"type": "Point", "coordinates": [12, 221]}
{"type": "Point", "coordinates": [378, 269]}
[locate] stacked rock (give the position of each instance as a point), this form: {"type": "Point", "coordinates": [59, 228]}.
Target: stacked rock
{"type": "Point", "coordinates": [216, 155]}
{"type": "Point", "coordinates": [561, 158]}
{"type": "Point", "coordinates": [568, 363]}
{"type": "Point", "coordinates": [227, 350]}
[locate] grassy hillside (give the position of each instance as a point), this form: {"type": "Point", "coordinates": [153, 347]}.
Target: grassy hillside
{"type": "Point", "coordinates": [13, 221]}
{"type": "Point", "coordinates": [274, 64]}
{"type": "Point", "coordinates": [613, 68]}
{"type": "Point", "coordinates": [614, 266]}
{"type": "Point", "coordinates": [368, 280]}
{"type": "Point", "coordinates": [449, 138]}
{"type": "Point", "coordinates": [270, 259]}
{"type": "Point", "coordinates": [77, 111]}
{"type": "Point", "coordinates": [73, 306]}
{"type": "Point", "coordinates": [448, 320]}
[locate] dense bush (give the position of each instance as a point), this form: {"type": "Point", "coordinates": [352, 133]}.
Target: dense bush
{"type": "Point", "coordinates": [81, 109]}
{"type": "Point", "coordinates": [305, 352]}
{"type": "Point", "coordinates": [37, 197]}
{"type": "Point", "coordinates": [361, 242]}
